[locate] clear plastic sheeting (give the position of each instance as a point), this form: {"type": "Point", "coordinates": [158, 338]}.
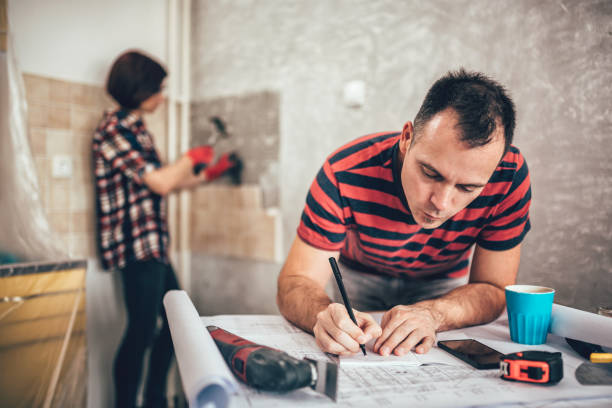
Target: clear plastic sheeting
{"type": "Point", "coordinates": [43, 346]}
{"type": "Point", "coordinates": [26, 235]}
{"type": "Point", "coordinates": [43, 350]}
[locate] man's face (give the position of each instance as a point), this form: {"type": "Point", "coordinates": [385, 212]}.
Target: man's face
{"type": "Point", "coordinates": [441, 174]}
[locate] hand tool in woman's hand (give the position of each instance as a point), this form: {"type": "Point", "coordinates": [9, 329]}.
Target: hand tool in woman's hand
{"type": "Point", "coordinates": [201, 157]}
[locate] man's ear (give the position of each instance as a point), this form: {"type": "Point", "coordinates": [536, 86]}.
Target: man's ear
{"type": "Point", "coordinates": [406, 137]}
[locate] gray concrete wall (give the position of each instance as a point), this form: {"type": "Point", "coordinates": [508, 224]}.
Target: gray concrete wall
{"type": "Point", "coordinates": [555, 57]}
{"type": "Point", "coordinates": [251, 124]}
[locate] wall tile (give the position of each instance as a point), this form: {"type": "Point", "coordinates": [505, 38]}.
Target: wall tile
{"type": "Point", "coordinates": [230, 221]}
{"type": "Point", "coordinates": [200, 198]}
{"type": "Point", "coordinates": [220, 197]}
{"type": "Point", "coordinates": [81, 222]}
{"type": "Point", "coordinates": [89, 96]}
{"type": "Point", "coordinates": [59, 91]}
{"type": "Point", "coordinates": [249, 197]}
{"type": "Point", "coordinates": [81, 196]}
{"type": "Point", "coordinates": [38, 115]}
{"type": "Point", "coordinates": [38, 89]}
{"type": "Point", "coordinates": [58, 117]}
{"type": "Point", "coordinates": [250, 234]}
{"type": "Point", "coordinates": [38, 141]}
{"type": "Point", "coordinates": [59, 221]}
{"type": "Point", "coordinates": [59, 195]}
{"type": "Point", "coordinates": [81, 245]}
{"type": "Point", "coordinates": [41, 167]}
{"type": "Point", "coordinates": [82, 170]}
{"type": "Point", "coordinates": [61, 241]}
{"type": "Point", "coordinates": [62, 118]}
{"type": "Point", "coordinates": [82, 147]}
{"type": "Point", "coordinates": [43, 193]}
{"type": "Point", "coordinates": [84, 119]}
{"type": "Point", "coordinates": [42, 173]}
{"type": "Point", "coordinates": [59, 141]}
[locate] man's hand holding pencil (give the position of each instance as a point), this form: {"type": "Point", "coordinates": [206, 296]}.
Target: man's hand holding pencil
{"type": "Point", "coordinates": [336, 333]}
{"type": "Point", "coordinates": [339, 329]}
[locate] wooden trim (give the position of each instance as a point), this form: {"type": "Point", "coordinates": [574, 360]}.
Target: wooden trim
{"type": "Point", "coordinates": [3, 25]}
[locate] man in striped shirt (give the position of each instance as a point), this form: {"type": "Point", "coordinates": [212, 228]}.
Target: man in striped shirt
{"type": "Point", "coordinates": [403, 212]}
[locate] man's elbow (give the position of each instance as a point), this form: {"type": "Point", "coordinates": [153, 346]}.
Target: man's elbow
{"type": "Point", "coordinates": [281, 298]}
{"type": "Point", "coordinates": [279, 303]}
{"type": "Point", "coordinates": [496, 302]}
{"type": "Point", "coordinates": [286, 291]}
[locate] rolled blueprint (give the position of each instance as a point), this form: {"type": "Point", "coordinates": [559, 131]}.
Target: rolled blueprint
{"type": "Point", "coordinates": [579, 325]}
{"type": "Point", "coordinates": [207, 381]}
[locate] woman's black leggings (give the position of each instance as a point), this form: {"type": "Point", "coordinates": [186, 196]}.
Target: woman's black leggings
{"type": "Point", "coordinates": [144, 285]}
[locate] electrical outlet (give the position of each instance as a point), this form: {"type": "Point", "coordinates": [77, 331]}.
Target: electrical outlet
{"type": "Point", "coordinates": [61, 166]}
{"type": "Point", "coordinates": [354, 94]}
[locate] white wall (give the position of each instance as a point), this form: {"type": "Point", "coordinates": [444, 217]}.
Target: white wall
{"type": "Point", "coordinates": [76, 40]}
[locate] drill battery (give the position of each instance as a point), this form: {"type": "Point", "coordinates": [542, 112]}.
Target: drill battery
{"type": "Point", "coordinates": [540, 367]}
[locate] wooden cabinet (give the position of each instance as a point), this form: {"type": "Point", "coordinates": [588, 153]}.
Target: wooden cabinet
{"type": "Point", "coordinates": [43, 350]}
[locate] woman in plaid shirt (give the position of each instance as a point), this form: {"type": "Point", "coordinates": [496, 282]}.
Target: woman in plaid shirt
{"type": "Point", "coordinates": [131, 185]}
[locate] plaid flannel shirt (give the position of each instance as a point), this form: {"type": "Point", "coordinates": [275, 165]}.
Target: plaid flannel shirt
{"type": "Point", "coordinates": [132, 222]}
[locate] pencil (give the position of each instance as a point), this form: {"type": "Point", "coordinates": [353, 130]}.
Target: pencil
{"type": "Point", "coordinates": [347, 303]}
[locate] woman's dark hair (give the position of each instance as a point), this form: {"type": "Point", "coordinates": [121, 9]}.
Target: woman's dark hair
{"type": "Point", "coordinates": [479, 101]}
{"type": "Point", "coordinates": [133, 78]}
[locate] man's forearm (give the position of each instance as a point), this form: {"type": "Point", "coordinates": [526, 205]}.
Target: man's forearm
{"type": "Point", "coordinates": [469, 305]}
{"type": "Point", "coordinates": [300, 299]}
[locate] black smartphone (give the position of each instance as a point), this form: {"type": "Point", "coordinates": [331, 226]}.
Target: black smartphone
{"type": "Point", "coordinates": [472, 352]}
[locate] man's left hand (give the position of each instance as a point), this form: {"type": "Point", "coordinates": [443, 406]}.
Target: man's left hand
{"type": "Point", "coordinates": [405, 327]}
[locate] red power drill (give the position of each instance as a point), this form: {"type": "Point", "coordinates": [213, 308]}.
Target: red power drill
{"type": "Point", "coordinates": [269, 369]}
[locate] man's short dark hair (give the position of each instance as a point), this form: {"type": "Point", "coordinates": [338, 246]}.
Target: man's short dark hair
{"type": "Point", "coordinates": [478, 100]}
{"type": "Point", "coordinates": [133, 78]}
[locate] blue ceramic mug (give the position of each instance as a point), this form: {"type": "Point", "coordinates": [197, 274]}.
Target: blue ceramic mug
{"type": "Point", "coordinates": [529, 309]}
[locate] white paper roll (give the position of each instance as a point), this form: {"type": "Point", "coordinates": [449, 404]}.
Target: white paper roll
{"type": "Point", "coordinates": [579, 325]}
{"type": "Point", "coordinates": [207, 381]}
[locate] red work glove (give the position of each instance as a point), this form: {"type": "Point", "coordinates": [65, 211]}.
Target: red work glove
{"type": "Point", "coordinates": [222, 166]}
{"type": "Point", "coordinates": [201, 155]}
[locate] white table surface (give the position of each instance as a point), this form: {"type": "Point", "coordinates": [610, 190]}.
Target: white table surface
{"type": "Point", "coordinates": [442, 381]}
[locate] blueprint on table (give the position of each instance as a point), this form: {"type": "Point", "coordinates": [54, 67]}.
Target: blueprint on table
{"type": "Point", "coordinates": [440, 380]}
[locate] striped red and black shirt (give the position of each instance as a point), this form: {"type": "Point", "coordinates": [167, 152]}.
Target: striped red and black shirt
{"type": "Point", "coordinates": [131, 218]}
{"type": "Point", "coordinates": [356, 205]}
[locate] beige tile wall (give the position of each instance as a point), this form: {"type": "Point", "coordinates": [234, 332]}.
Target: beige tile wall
{"type": "Point", "coordinates": [62, 116]}
{"type": "Point", "coordinates": [231, 221]}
